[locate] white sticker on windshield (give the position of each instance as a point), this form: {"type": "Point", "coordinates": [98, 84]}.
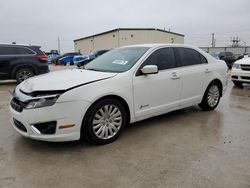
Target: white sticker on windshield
{"type": "Point", "coordinates": [120, 62]}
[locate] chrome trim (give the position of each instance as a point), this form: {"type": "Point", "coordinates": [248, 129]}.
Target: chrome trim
{"type": "Point", "coordinates": [35, 130]}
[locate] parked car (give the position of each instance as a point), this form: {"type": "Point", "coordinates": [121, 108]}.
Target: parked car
{"type": "Point", "coordinates": [81, 60]}
{"type": "Point", "coordinates": [241, 71]}
{"type": "Point", "coordinates": [90, 57]}
{"type": "Point", "coordinates": [243, 55]}
{"type": "Point", "coordinates": [65, 59]}
{"type": "Point", "coordinates": [125, 85]}
{"type": "Point", "coordinates": [215, 55]}
{"type": "Point", "coordinates": [52, 55]}
{"type": "Point", "coordinates": [228, 57]}
{"type": "Point", "coordinates": [21, 61]}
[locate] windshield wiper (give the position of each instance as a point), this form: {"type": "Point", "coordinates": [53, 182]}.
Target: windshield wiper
{"type": "Point", "coordinates": [93, 69]}
{"type": "Point", "coordinates": [101, 70]}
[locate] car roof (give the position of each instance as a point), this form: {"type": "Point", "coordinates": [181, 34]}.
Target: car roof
{"type": "Point", "coordinates": [26, 45]}
{"type": "Point", "coordinates": [153, 45]}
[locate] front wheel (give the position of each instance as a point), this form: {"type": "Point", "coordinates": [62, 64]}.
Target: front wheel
{"type": "Point", "coordinates": [104, 121]}
{"type": "Point", "coordinates": [211, 97]}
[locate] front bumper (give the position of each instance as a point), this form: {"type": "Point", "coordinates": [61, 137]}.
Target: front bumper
{"type": "Point", "coordinates": [64, 113]}
{"type": "Point", "coordinates": [240, 75]}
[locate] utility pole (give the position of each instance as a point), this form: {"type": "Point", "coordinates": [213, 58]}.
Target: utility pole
{"type": "Point", "coordinates": [58, 43]}
{"type": "Point", "coordinates": [213, 40]}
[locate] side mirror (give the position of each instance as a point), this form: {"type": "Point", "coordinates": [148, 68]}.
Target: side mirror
{"type": "Point", "coordinates": [149, 69]}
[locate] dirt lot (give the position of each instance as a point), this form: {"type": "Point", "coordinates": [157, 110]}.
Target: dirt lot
{"type": "Point", "coordinates": [185, 148]}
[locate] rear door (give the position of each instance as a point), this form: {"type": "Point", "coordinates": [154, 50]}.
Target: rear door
{"type": "Point", "coordinates": [6, 56]}
{"type": "Point", "coordinates": [157, 93]}
{"type": "Point", "coordinates": [195, 70]}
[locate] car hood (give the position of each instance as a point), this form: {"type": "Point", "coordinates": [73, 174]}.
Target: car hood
{"type": "Point", "coordinates": [63, 80]}
{"type": "Point", "coordinates": [244, 61]}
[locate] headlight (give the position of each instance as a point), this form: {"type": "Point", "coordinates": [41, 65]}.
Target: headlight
{"type": "Point", "coordinates": [42, 102]}
{"type": "Point", "coordinates": [236, 66]}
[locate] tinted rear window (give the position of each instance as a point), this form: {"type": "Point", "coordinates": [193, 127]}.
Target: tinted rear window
{"type": "Point", "coordinates": [37, 50]}
{"type": "Point", "coordinates": [15, 50]}
{"type": "Point", "coordinates": [6, 50]}
{"type": "Point", "coordinates": [22, 50]}
{"type": "Point", "coordinates": [190, 57]}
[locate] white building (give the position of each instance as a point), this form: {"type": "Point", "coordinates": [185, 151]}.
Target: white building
{"type": "Point", "coordinates": [125, 36]}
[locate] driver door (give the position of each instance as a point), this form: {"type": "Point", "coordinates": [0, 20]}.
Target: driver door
{"type": "Point", "coordinates": [158, 93]}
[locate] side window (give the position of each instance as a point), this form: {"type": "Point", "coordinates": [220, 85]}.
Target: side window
{"type": "Point", "coordinates": [222, 54]}
{"type": "Point", "coordinates": [190, 57]}
{"type": "Point", "coordinates": [23, 51]}
{"type": "Point", "coordinates": [203, 59]}
{"type": "Point", "coordinates": [163, 58]}
{"type": "Point", "coordinates": [5, 50]}
{"type": "Point", "coordinates": [2, 50]}
{"type": "Point", "coordinates": [228, 54]}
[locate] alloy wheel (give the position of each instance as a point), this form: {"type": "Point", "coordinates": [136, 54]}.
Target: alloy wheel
{"type": "Point", "coordinates": [107, 122]}
{"type": "Point", "coordinates": [213, 95]}
{"type": "Point", "coordinates": [24, 74]}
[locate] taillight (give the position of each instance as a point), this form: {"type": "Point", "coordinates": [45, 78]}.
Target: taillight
{"type": "Point", "coordinates": [43, 57]}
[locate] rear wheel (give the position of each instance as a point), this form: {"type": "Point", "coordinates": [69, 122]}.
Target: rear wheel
{"type": "Point", "coordinates": [211, 97]}
{"type": "Point", "coordinates": [23, 74]}
{"type": "Point", "coordinates": [104, 121]}
{"type": "Point", "coordinates": [237, 83]}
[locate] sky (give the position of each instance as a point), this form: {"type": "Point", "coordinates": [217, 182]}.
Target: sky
{"type": "Point", "coordinates": [43, 22]}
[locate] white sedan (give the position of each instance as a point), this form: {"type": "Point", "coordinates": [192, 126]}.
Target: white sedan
{"type": "Point", "coordinates": [125, 85]}
{"type": "Point", "coordinates": [241, 71]}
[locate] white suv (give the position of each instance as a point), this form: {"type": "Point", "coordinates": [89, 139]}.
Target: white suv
{"type": "Point", "coordinates": [125, 85]}
{"type": "Point", "coordinates": [241, 71]}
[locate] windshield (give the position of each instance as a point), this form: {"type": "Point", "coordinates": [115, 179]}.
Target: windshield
{"type": "Point", "coordinates": [117, 60]}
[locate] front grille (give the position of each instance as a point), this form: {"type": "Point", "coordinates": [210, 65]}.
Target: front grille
{"type": "Point", "coordinates": [19, 125]}
{"type": "Point", "coordinates": [17, 105]}
{"type": "Point", "coordinates": [245, 77]}
{"type": "Point", "coordinates": [245, 67]}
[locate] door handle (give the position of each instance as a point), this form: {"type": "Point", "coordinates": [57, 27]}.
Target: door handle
{"type": "Point", "coordinates": [174, 76]}
{"type": "Point", "coordinates": [207, 71]}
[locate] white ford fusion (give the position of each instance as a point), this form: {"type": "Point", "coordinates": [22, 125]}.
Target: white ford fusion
{"type": "Point", "coordinates": [125, 85]}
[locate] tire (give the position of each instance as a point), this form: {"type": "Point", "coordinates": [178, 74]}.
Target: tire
{"type": "Point", "coordinates": [71, 63]}
{"type": "Point", "coordinates": [23, 74]}
{"type": "Point", "coordinates": [100, 128]}
{"type": "Point", "coordinates": [237, 83]}
{"type": "Point", "coordinates": [211, 97]}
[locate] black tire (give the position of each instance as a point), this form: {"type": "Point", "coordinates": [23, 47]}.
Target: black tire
{"type": "Point", "coordinates": [237, 83]}
{"type": "Point", "coordinates": [23, 74]}
{"type": "Point", "coordinates": [205, 105]}
{"type": "Point", "coordinates": [87, 131]}
{"type": "Point", "coordinates": [71, 63]}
